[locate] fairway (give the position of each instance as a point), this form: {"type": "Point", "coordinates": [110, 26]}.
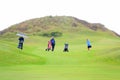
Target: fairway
{"type": "Point", "coordinates": [102, 62]}
{"type": "Point", "coordinates": [60, 72]}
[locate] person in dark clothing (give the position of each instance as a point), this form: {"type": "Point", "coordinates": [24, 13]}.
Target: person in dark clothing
{"type": "Point", "coordinates": [66, 47]}
{"type": "Point", "coordinates": [21, 41]}
{"type": "Point", "coordinates": [52, 43]}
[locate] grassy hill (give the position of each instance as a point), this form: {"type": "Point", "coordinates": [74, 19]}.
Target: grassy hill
{"type": "Point", "coordinates": [102, 62]}
{"type": "Point", "coordinates": [61, 24]}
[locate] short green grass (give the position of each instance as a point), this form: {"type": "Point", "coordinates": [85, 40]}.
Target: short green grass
{"type": "Point", "coordinates": [102, 62]}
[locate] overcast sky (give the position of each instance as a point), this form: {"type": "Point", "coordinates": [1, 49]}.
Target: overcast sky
{"type": "Point", "coordinates": [106, 12]}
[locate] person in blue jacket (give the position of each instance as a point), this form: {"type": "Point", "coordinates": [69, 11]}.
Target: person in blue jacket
{"type": "Point", "coordinates": [88, 44]}
{"type": "Point", "coordinates": [52, 43]}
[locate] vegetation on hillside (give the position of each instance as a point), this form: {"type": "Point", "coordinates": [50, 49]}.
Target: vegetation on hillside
{"type": "Point", "coordinates": [60, 24]}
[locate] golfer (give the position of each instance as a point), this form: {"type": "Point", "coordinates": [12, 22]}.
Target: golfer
{"type": "Point", "coordinates": [49, 46]}
{"type": "Point", "coordinates": [52, 43]}
{"type": "Point", "coordinates": [21, 41]}
{"type": "Point", "coordinates": [66, 47]}
{"type": "Point", "coordinates": [88, 44]}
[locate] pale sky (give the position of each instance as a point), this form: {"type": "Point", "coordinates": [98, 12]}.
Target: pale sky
{"type": "Point", "coordinates": [106, 12]}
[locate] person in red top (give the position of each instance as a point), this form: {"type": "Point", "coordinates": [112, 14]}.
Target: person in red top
{"type": "Point", "coordinates": [49, 46]}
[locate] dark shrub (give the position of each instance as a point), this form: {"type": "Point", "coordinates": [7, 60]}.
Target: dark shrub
{"type": "Point", "coordinates": [55, 34]}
